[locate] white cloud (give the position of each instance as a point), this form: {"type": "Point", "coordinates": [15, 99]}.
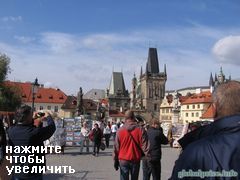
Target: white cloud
{"type": "Point", "coordinates": [73, 60]}
{"type": "Point", "coordinates": [227, 50]}
{"type": "Point", "coordinates": [11, 18]}
{"type": "Point", "coordinates": [59, 42]}
{"type": "Point", "coordinates": [24, 39]}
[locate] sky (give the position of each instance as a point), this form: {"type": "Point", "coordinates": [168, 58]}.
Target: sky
{"type": "Point", "coordinates": [79, 43]}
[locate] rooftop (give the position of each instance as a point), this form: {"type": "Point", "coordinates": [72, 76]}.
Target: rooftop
{"type": "Point", "coordinates": [43, 95]}
{"type": "Point", "coordinates": [203, 97]}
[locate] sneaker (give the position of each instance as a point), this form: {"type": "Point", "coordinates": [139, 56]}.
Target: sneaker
{"type": "Point", "coordinates": [93, 154]}
{"type": "Point", "coordinates": [97, 155]}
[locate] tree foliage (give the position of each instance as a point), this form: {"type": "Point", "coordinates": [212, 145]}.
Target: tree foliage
{"type": "Point", "coordinates": [4, 67]}
{"type": "Point", "coordinates": [10, 97]}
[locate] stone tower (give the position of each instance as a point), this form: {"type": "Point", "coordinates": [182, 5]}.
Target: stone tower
{"type": "Point", "coordinates": [152, 85]}
{"type": "Point", "coordinates": [134, 86]}
{"type": "Point", "coordinates": [117, 94]}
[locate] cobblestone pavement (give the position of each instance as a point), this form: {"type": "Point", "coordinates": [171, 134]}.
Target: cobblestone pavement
{"type": "Point", "coordinates": [89, 167]}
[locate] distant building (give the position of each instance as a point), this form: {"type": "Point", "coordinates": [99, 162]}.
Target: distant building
{"type": "Point", "coordinates": [70, 105]}
{"type": "Point", "coordinates": [45, 98]}
{"type": "Point", "coordinates": [173, 100]}
{"type": "Point", "coordinates": [218, 79]}
{"type": "Point", "coordinates": [149, 90]}
{"type": "Point", "coordinates": [95, 94]}
{"type": "Point", "coordinates": [193, 108]}
{"type": "Point", "coordinates": [208, 115]}
{"type": "Point", "coordinates": [116, 116]}
{"type": "Point", "coordinates": [117, 95]}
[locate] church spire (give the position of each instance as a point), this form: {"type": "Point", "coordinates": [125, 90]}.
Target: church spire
{"type": "Point", "coordinates": [211, 82]}
{"type": "Point", "coordinates": [141, 73]}
{"type": "Point", "coordinates": [165, 70]}
{"type": "Point", "coordinates": [152, 63]}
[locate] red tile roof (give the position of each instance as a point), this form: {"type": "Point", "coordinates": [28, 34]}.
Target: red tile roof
{"type": "Point", "coordinates": [209, 113]}
{"type": "Point", "coordinates": [203, 97]}
{"type": "Point", "coordinates": [115, 113]}
{"type": "Point", "coordinates": [43, 95]}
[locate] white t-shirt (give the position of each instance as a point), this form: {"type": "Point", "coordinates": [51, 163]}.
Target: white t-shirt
{"type": "Point", "coordinates": [85, 131]}
{"type": "Point", "coordinates": [107, 130]}
{"type": "Point", "coordinates": [114, 128]}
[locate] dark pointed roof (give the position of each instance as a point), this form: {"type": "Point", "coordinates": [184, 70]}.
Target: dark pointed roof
{"type": "Point", "coordinates": [152, 66]}
{"type": "Point", "coordinates": [211, 82]}
{"type": "Point", "coordinates": [117, 84]}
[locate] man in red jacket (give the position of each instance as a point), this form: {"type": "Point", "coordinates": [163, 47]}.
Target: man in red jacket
{"type": "Point", "coordinates": [130, 143]}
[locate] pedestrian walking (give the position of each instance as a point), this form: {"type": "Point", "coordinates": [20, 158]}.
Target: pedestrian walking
{"type": "Point", "coordinates": [114, 129]}
{"type": "Point", "coordinates": [96, 135]}
{"type": "Point", "coordinates": [151, 164]}
{"type": "Point", "coordinates": [131, 143]}
{"type": "Point", "coordinates": [214, 148]}
{"type": "Point", "coordinates": [107, 133]}
{"type": "Point", "coordinates": [3, 143]}
{"type": "Point", "coordinates": [85, 140]}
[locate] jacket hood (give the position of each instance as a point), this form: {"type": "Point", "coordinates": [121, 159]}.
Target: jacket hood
{"type": "Point", "coordinates": [130, 125]}
{"type": "Point", "coordinates": [229, 124]}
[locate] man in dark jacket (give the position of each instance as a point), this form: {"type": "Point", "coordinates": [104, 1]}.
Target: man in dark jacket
{"type": "Point", "coordinates": [152, 163]}
{"type": "Point", "coordinates": [130, 142]}
{"type": "Point", "coordinates": [97, 139]}
{"type": "Point", "coordinates": [213, 151]}
{"type": "Point", "coordinates": [25, 134]}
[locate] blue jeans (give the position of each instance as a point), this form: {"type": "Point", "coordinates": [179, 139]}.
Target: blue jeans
{"type": "Point", "coordinates": [127, 167]}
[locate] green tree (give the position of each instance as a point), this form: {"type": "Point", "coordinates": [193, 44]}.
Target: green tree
{"type": "Point", "coordinates": [10, 97]}
{"type": "Point", "coordinates": [4, 67]}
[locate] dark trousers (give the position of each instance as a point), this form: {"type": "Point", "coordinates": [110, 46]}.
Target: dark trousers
{"type": "Point", "coordinates": [32, 178]}
{"type": "Point", "coordinates": [107, 137]}
{"type": "Point", "coordinates": [96, 147]}
{"type": "Point", "coordinates": [151, 167]}
{"type": "Point", "coordinates": [128, 167]}
{"type": "Point", "coordinates": [114, 135]}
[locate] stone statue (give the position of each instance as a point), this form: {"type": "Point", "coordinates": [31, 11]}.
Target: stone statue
{"type": "Point", "coordinates": [80, 102]}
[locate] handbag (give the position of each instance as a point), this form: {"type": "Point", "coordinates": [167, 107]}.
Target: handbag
{"type": "Point", "coordinates": [139, 148]}
{"type": "Point", "coordinates": [102, 146]}
{"type": "Point", "coordinates": [91, 135]}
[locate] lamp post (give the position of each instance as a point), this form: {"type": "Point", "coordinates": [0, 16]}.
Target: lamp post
{"type": "Point", "coordinates": [35, 86]}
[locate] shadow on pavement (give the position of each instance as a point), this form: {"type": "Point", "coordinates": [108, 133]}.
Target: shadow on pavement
{"type": "Point", "coordinates": [77, 175]}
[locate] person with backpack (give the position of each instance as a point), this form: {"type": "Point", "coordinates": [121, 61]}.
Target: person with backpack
{"type": "Point", "coordinates": [130, 145]}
